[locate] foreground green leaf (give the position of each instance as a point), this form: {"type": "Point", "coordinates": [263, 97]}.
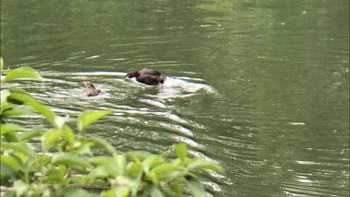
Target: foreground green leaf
{"type": "Point", "coordinates": [10, 161]}
{"type": "Point", "coordinates": [20, 187]}
{"type": "Point", "coordinates": [17, 110]}
{"type": "Point", "coordinates": [32, 102]}
{"type": "Point", "coordinates": [5, 128]}
{"type": "Point", "coordinates": [88, 117]}
{"type": "Point", "coordinates": [30, 134]}
{"type": "Point", "coordinates": [7, 172]}
{"type": "Point", "coordinates": [20, 147]}
{"type": "Point", "coordinates": [44, 110]}
{"type": "Point", "coordinates": [101, 142]}
{"type": "Point", "coordinates": [155, 191]}
{"type": "Point", "coordinates": [69, 135]}
{"type": "Point", "coordinates": [181, 152]}
{"type": "Point", "coordinates": [22, 72]}
{"type": "Point", "coordinates": [139, 155]}
{"type": "Point", "coordinates": [68, 192]}
{"type": "Point", "coordinates": [166, 167]}
{"type": "Point", "coordinates": [11, 137]}
{"type": "Point", "coordinates": [56, 175]}
{"type": "Point", "coordinates": [151, 161]}
{"type": "Point", "coordinates": [71, 160]}
{"type": "Point", "coordinates": [50, 138]}
{"type": "Point", "coordinates": [196, 187]}
{"type": "Point", "coordinates": [104, 161]}
{"type": "Point", "coordinates": [4, 104]}
{"type": "Point", "coordinates": [1, 64]}
{"type": "Point", "coordinates": [204, 165]}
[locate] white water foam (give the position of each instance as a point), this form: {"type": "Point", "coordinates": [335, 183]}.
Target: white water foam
{"type": "Point", "coordinates": [175, 87]}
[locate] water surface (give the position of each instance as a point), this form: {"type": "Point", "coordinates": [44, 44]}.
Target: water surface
{"type": "Point", "coordinates": [260, 87]}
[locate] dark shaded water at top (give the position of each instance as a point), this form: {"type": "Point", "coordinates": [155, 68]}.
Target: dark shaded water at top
{"type": "Point", "coordinates": [261, 87]}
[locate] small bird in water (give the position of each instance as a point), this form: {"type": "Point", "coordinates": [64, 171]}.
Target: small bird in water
{"type": "Point", "coordinates": [147, 76]}
{"type": "Point", "coordinates": [91, 90]}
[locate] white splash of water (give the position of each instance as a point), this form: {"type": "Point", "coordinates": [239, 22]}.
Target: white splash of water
{"type": "Point", "coordinates": [174, 87]}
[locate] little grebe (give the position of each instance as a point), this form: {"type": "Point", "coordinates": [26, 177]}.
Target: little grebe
{"type": "Point", "coordinates": [91, 90]}
{"type": "Point", "coordinates": [147, 76]}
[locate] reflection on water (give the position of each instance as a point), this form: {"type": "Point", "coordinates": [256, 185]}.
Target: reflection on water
{"type": "Point", "coordinates": [260, 87]}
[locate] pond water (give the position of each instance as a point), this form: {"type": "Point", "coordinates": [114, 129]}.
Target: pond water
{"type": "Point", "coordinates": [260, 87]}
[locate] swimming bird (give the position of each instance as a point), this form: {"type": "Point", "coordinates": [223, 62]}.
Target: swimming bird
{"type": "Point", "coordinates": [91, 90]}
{"type": "Point", "coordinates": [147, 76]}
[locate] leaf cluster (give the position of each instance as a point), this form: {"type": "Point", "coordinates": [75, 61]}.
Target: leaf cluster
{"type": "Point", "coordinates": [57, 161]}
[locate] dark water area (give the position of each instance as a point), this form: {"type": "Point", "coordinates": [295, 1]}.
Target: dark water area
{"type": "Point", "coordinates": [260, 87]}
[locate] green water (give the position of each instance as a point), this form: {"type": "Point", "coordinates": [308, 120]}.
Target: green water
{"type": "Point", "coordinates": [261, 87]}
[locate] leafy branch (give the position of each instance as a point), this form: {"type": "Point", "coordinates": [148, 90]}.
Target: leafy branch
{"type": "Point", "coordinates": [65, 164]}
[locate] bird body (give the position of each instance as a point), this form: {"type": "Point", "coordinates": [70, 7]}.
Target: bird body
{"type": "Point", "coordinates": [91, 90]}
{"type": "Point", "coordinates": [147, 76]}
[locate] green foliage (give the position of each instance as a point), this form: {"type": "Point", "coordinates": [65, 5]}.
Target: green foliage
{"type": "Point", "coordinates": [22, 72]}
{"type": "Point", "coordinates": [88, 117]}
{"type": "Point", "coordinates": [64, 163]}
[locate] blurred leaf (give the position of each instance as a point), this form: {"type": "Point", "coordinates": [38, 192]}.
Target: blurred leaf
{"type": "Point", "coordinates": [6, 171]}
{"type": "Point", "coordinates": [134, 169]}
{"type": "Point", "coordinates": [10, 194]}
{"type": "Point", "coordinates": [20, 91]}
{"type": "Point", "coordinates": [151, 176]}
{"type": "Point", "coordinates": [196, 187]}
{"type": "Point", "coordinates": [204, 165]}
{"type": "Point", "coordinates": [45, 159]}
{"type": "Point", "coordinates": [154, 191]}
{"type": "Point", "coordinates": [181, 152]}
{"type": "Point", "coordinates": [68, 192]}
{"type": "Point", "coordinates": [107, 162]}
{"type": "Point", "coordinates": [56, 175]}
{"type": "Point", "coordinates": [151, 161]}
{"type": "Point", "coordinates": [1, 64]}
{"type": "Point", "coordinates": [50, 138]}
{"type": "Point", "coordinates": [139, 155]}
{"type": "Point", "coordinates": [166, 167]}
{"type": "Point", "coordinates": [4, 104]}
{"type": "Point", "coordinates": [102, 142]}
{"type": "Point", "coordinates": [109, 193]}
{"type": "Point", "coordinates": [117, 192]}
{"type": "Point", "coordinates": [8, 127]}
{"type": "Point", "coordinates": [20, 187]}
{"type": "Point", "coordinates": [71, 160]}
{"type": "Point", "coordinates": [100, 172]}
{"type": "Point", "coordinates": [177, 189]}
{"type": "Point", "coordinates": [22, 72]}
{"type": "Point", "coordinates": [11, 137]}
{"type": "Point", "coordinates": [82, 148]}
{"type": "Point", "coordinates": [20, 147]}
{"type": "Point", "coordinates": [44, 110]}
{"type": "Point", "coordinates": [30, 134]}
{"type": "Point", "coordinates": [174, 174]}
{"type": "Point", "coordinates": [17, 110]}
{"type": "Point", "coordinates": [68, 133]}
{"type": "Point", "coordinates": [88, 117]}
{"type": "Point", "coordinates": [4, 94]}
{"type": "Point", "coordinates": [60, 121]}
{"type": "Point", "coordinates": [121, 163]}
{"type": "Point", "coordinates": [10, 161]}
{"type": "Point", "coordinates": [30, 101]}
{"type": "Point", "coordinates": [20, 98]}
